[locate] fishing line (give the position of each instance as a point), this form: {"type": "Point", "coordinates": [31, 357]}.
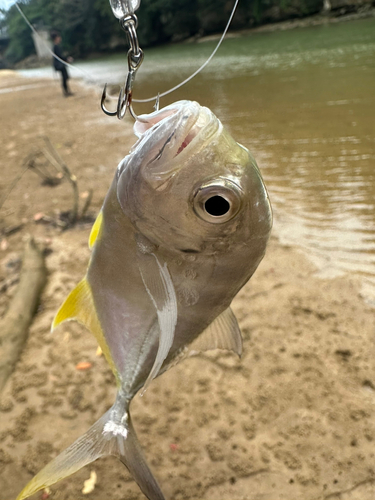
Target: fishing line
{"type": "Point", "coordinates": [199, 69]}
{"type": "Point", "coordinates": [150, 99]}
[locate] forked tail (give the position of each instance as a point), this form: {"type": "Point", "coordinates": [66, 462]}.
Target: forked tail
{"type": "Point", "coordinates": [113, 434]}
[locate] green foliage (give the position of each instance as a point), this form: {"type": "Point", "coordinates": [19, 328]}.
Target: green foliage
{"type": "Point", "coordinates": [213, 14]}
{"type": "Point", "coordinates": [85, 25]}
{"type": "Point", "coordinates": [89, 26]}
{"type": "Point", "coordinates": [21, 44]}
{"type": "Point", "coordinates": [167, 20]}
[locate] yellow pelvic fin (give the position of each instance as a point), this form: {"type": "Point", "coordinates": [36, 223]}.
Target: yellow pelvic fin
{"type": "Point", "coordinates": [95, 230]}
{"type": "Point", "coordinates": [79, 306]}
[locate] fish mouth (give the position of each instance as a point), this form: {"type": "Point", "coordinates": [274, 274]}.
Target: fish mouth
{"type": "Point", "coordinates": [165, 134]}
{"type": "Point", "coordinates": [169, 137]}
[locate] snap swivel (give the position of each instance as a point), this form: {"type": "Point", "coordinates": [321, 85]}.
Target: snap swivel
{"type": "Point", "coordinates": [135, 58]}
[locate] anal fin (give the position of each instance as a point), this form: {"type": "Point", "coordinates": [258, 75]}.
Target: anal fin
{"type": "Point", "coordinates": [222, 333]}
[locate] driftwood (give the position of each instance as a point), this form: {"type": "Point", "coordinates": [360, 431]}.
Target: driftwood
{"type": "Point", "coordinates": [15, 324]}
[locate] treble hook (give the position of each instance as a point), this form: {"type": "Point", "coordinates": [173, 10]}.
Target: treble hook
{"type": "Point", "coordinates": [135, 58]}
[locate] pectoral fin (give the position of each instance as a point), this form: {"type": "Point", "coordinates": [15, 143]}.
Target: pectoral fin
{"type": "Point", "coordinates": [160, 289]}
{"type": "Point", "coordinates": [222, 333]}
{"type": "Point", "coordinates": [79, 306]}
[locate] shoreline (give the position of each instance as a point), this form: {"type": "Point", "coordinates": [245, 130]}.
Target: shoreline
{"type": "Point", "coordinates": [363, 12]}
{"type": "Point", "coordinates": [315, 20]}
{"type": "Point", "coordinates": [293, 23]}
{"type": "Point", "coordinates": [320, 261]}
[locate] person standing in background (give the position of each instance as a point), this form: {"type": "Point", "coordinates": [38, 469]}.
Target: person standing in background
{"type": "Point", "coordinates": [59, 65]}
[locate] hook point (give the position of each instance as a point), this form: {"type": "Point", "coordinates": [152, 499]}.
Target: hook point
{"type": "Point", "coordinates": [102, 105]}
{"type": "Point", "coordinates": [157, 102]}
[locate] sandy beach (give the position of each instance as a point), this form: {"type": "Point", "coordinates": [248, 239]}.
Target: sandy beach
{"type": "Point", "coordinates": [294, 419]}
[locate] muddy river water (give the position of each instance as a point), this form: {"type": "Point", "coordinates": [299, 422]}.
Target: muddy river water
{"type": "Point", "coordinates": [303, 101]}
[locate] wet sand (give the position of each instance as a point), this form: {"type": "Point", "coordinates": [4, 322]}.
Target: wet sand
{"type": "Point", "coordinates": [293, 419]}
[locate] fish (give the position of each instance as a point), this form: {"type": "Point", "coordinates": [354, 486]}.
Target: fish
{"type": "Point", "coordinates": [183, 227]}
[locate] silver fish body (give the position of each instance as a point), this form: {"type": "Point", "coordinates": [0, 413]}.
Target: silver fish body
{"type": "Point", "coordinates": [183, 227]}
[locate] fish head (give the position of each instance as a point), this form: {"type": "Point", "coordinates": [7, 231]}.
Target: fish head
{"type": "Point", "coordinates": [188, 186]}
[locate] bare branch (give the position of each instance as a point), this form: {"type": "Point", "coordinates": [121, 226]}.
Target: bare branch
{"type": "Point", "coordinates": [87, 204]}
{"type": "Point", "coordinates": [13, 185]}
{"type": "Point", "coordinates": [73, 215]}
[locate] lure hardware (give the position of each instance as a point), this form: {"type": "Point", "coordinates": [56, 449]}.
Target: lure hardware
{"type": "Point", "coordinates": [124, 11]}
{"type": "Point", "coordinates": [122, 8]}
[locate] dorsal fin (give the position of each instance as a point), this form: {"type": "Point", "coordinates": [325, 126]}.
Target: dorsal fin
{"type": "Point", "coordinates": [222, 333]}
{"type": "Point", "coordinates": [95, 230]}
{"type": "Point", "coordinates": [79, 306]}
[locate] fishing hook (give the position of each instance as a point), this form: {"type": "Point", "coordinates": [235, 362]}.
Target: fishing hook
{"type": "Point", "coordinates": [135, 58]}
{"type": "Point", "coordinates": [157, 102]}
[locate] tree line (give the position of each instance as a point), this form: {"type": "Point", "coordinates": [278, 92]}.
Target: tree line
{"type": "Point", "coordinates": [88, 26]}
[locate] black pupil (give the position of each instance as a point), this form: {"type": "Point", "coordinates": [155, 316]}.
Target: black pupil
{"type": "Point", "coordinates": [216, 206]}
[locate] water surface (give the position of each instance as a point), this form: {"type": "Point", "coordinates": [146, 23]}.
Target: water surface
{"type": "Point", "coordinates": [303, 101]}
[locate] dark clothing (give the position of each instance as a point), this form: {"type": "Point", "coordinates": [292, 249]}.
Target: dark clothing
{"type": "Point", "coordinates": [58, 65]}
{"type": "Point", "coordinates": [61, 67]}
{"type": "Point", "coordinates": [64, 80]}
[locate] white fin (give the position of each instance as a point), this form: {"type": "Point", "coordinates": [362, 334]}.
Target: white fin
{"type": "Point", "coordinates": [159, 286]}
{"type": "Point", "coordinates": [222, 333]}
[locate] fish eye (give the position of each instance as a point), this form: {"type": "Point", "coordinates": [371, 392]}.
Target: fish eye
{"type": "Point", "coordinates": [217, 206]}
{"type": "Point", "coordinates": [217, 201]}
